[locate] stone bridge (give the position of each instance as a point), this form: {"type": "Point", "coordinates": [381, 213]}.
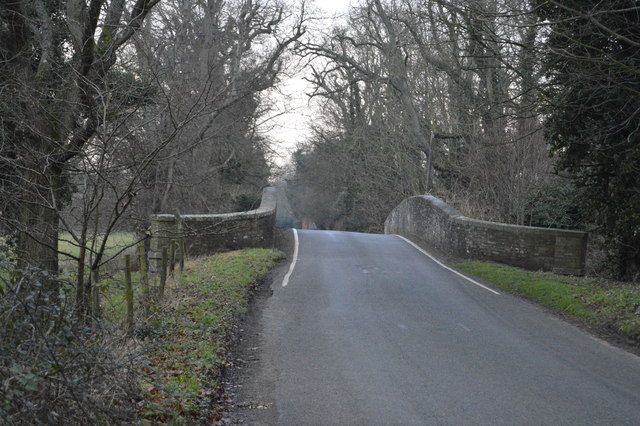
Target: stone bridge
{"type": "Point", "coordinates": [430, 222]}
{"type": "Point", "coordinates": [211, 233]}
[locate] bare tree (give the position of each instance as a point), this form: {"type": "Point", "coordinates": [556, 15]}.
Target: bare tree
{"type": "Point", "coordinates": [465, 78]}
{"type": "Point", "coordinates": [240, 49]}
{"type": "Point", "coordinates": [108, 125]}
{"type": "Point", "coordinates": [56, 59]}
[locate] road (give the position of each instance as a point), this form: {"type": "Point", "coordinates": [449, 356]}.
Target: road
{"type": "Point", "coordinates": [369, 330]}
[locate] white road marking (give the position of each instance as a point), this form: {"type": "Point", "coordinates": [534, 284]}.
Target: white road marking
{"type": "Point", "coordinates": [446, 267]}
{"type": "Point", "coordinates": [464, 327]}
{"type": "Point", "coordinates": [285, 281]}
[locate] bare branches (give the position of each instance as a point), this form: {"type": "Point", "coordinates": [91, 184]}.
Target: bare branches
{"type": "Point", "coordinates": [139, 12]}
{"type": "Point", "coordinates": [461, 82]}
{"type": "Point", "coordinates": [57, 85]}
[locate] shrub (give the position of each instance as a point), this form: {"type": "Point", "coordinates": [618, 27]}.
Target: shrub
{"type": "Point", "coordinates": [555, 206]}
{"type": "Point", "coordinates": [54, 369]}
{"type": "Point", "coordinates": [246, 202]}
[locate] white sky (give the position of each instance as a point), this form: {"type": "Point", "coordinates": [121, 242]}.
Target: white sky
{"type": "Point", "coordinates": [332, 6]}
{"type": "Point", "coordinates": [293, 112]}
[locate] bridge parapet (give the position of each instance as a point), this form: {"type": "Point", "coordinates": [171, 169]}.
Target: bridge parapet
{"type": "Point", "coordinates": [430, 222]}
{"type": "Point", "coordinates": [210, 233]}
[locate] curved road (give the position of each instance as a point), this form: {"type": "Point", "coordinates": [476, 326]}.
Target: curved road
{"type": "Point", "coordinates": [369, 330]}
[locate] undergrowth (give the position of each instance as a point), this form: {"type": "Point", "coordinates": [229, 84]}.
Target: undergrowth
{"type": "Point", "coordinates": [55, 369]}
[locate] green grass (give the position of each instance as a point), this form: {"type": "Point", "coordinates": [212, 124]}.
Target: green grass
{"type": "Point", "coordinates": [607, 304]}
{"type": "Point", "coordinates": [113, 301]}
{"type": "Point", "coordinates": [193, 332]}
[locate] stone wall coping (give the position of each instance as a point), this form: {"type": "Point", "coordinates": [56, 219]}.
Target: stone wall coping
{"type": "Point", "coordinates": [267, 207]}
{"type": "Point", "coordinates": [520, 228]}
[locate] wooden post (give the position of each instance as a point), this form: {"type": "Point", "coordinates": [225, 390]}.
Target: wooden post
{"type": "Point", "coordinates": [180, 242]}
{"type": "Point", "coordinates": [144, 275]}
{"type": "Point", "coordinates": [172, 256]}
{"type": "Point", "coordinates": [182, 254]}
{"type": "Point", "coordinates": [163, 272]}
{"type": "Point", "coordinates": [95, 292]}
{"type": "Point", "coordinates": [128, 293]}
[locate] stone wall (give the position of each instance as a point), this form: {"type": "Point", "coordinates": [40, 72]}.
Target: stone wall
{"type": "Point", "coordinates": [430, 222]}
{"type": "Point", "coordinates": [211, 233]}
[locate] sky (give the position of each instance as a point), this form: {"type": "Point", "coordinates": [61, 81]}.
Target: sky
{"type": "Point", "coordinates": [290, 123]}
{"type": "Point", "coordinates": [333, 5]}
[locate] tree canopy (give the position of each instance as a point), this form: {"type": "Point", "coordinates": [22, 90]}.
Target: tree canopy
{"type": "Point", "coordinates": [592, 59]}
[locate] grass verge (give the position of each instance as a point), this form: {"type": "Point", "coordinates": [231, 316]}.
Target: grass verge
{"type": "Point", "coordinates": [611, 305]}
{"type": "Point", "coordinates": [193, 332]}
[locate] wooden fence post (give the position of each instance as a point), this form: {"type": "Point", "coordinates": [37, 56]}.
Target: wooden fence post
{"type": "Point", "coordinates": [182, 254]}
{"type": "Point", "coordinates": [172, 256]}
{"type": "Point", "coordinates": [163, 272]}
{"type": "Point", "coordinates": [95, 292]}
{"type": "Point", "coordinates": [180, 242]}
{"type": "Point", "coordinates": [128, 293]}
{"type": "Point", "coordinates": [144, 275]}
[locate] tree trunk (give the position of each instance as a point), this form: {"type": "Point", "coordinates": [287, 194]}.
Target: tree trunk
{"type": "Point", "coordinates": [38, 234]}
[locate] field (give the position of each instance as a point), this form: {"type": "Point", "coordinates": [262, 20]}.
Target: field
{"type": "Point", "coordinates": [118, 243]}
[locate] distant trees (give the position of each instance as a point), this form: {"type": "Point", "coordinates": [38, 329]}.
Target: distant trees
{"type": "Point", "coordinates": [362, 159]}
{"type": "Point", "coordinates": [465, 92]}
{"type": "Point", "coordinates": [592, 60]}
{"type": "Point", "coordinates": [351, 180]}
{"type": "Point", "coordinates": [214, 60]}
{"type": "Point", "coordinates": [451, 85]}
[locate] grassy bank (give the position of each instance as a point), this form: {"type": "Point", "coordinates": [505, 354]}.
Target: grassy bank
{"type": "Point", "coordinates": [192, 334]}
{"type": "Point", "coordinates": [607, 304]}
{"type": "Point", "coordinates": [167, 370]}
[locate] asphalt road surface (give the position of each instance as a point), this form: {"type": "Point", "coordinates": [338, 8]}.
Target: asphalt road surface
{"type": "Point", "coordinates": [369, 330]}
